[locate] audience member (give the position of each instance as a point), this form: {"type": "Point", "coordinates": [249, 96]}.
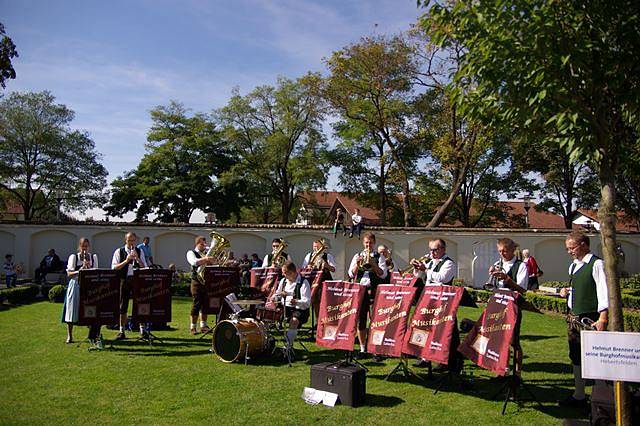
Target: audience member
{"type": "Point", "coordinates": [50, 263]}
{"type": "Point", "coordinates": [10, 276]}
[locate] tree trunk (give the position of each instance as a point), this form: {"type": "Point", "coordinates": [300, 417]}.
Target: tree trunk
{"type": "Point", "coordinates": [383, 194]}
{"type": "Point", "coordinates": [442, 211]}
{"type": "Point", "coordinates": [607, 218]}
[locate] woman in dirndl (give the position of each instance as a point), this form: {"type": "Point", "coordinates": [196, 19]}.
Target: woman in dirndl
{"type": "Point", "coordinates": [83, 259]}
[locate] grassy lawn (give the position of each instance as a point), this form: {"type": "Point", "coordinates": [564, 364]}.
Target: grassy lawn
{"type": "Point", "coordinates": [45, 381]}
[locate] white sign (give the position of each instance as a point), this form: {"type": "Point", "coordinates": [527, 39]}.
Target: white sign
{"type": "Point", "coordinates": [610, 355]}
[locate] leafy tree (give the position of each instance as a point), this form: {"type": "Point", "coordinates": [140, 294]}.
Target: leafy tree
{"type": "Point", "coordinates": [179, 172]}
{"type": "Point", "coordinates": [628, 184]}
{"type": "Point", "coordinates": [370, 84]}
{"type": "Point", "coordinates": [7, 52]}
{"type": "Point", "coordinates": [559, 73]}
{"type": "Point", "coordinates": [40, 153]}
{"type": "Point", "coordinates": [276, 136]}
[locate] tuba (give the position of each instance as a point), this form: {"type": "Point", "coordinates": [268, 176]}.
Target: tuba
{"type": "Point", "coordinates": [492, 284]}
{"type": "Point", "coordinates": [363, 261]}
{"type": "Point", "coordinates": [278, 258]}
{"type": "Point", "coordinates": [315, 261]}
{"type": "Point", "coordinates": [217, 250]}
{"type": "Point", "coordinates": [411, 268]}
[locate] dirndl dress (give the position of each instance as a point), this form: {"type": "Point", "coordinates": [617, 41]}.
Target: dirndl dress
{"type": "Point", "coordinates": [71, 302]}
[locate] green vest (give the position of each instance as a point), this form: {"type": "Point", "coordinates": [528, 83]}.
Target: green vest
{"type": "Point", "coordinates": [438, 266]}
{"type": "Point", "coordinates": [584, 297]}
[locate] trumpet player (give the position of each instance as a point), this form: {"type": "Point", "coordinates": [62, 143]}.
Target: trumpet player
{"type": "Point", "coordinates": [587, 298]}
{"type": "Point", "coordinates": [368, 268]}
{"type": "Point", "coordinates": [196, 258]}
{"type": "Point", "coordinates": [270, 259]}
{"type": "Point", "coordinates": [437, 268]}
{"type": "Point", "coordinates": [386, 252]}
{"type": "Point", "coordinates": [325, 262]}
{"type": "Point", "coordinates": [125, 260]}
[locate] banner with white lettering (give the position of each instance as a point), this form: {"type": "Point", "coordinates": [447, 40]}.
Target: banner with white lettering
{"type": "Point", "coordinates": [340, 304]}
{"type": "Point", "coordinates": [152, 295]}
{"type": "Point", "coordinates": [219, 282]}
{"type": "Point", "coordinates": [99, 297]}
{"type": "Point", "coordinates": [265, 279]}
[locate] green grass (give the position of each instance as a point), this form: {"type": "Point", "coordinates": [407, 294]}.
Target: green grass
{"type": "Point", "coordinates": [45, 381]}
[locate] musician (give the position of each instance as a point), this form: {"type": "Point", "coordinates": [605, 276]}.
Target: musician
{"type": "Point", "coordinates": [384, 251]}
{"type": "Point", "coordinates": [511, 273]}
{"type": "Point", "coordinates": [368, 272]}
{"type": "Point", "coordinates": [125, 260]}
{"type": "Point", "coordinates": [440, 269]}
{"type": "Point", "coordinates": [269, 259]}
{"type": "Point", "coordinates": [297, 298]}
{"type": "Point", "coordinates": [196, 258]}
{"type": "Point", "coordinates": [587, 298]}
{"type": "Point", "coordinates": [326, 261]}
{"type": "Point", "coordinates": [83, 259]}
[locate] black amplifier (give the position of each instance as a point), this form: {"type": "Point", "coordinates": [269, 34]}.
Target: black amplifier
{"type": "Point", "coordinates": [348, 381]}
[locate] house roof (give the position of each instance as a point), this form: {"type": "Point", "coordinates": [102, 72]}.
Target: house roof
{"type": "Point", "coordinates": [329, 200]}
{"type": "Point", "coordinates": [623, 223]}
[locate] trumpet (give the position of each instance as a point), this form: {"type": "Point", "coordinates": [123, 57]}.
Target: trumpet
{"type": "Point", "coordinates": [411, 268]}
{"type": "Point", "coordinates": [278, 258]}
{"type": "Point", "coordinates": [363, 260]}
{"type": "Point", "coordinates": [492, 284]}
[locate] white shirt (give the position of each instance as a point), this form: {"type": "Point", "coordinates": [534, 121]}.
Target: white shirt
{"type": "Point", "coordinates": [289, 287]}
{"type": "Point", "coordinates": [356, 219]}
{"type": "Point", "coordinates": [265, 261]}
{"type": "Point", "coordinates": [444, 275]}
{"type": "Point", "coordinates": [193, 259]}
{"type": "Point", "coordinates": [116, 259]}
{"type": "Point", "coordinates": [330, 260]}
{"type": "Point", "coordinates": [366, 279]}
{"type": "Point", "coordinates": [74, 260]}
{"type": "Point", "coordinates": [598, 276]}
{"type": "Point", "coordinates": [522, 276]}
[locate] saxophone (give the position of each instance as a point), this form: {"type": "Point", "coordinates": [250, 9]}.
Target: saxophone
{"type": "Point", "coordinates": [217, 250]}
{"type": "Point", "coordinates": [278, 259]}
{"type": "Point", "coordinates": [315, 261]}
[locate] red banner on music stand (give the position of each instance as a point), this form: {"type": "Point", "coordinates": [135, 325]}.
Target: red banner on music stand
{"type": "Point", "coordinates": [339, 307]}
{"type": "Point", "coordinates": [99, 297]}
{"type": "Point", "coordinates": [407, 279]}
{"type": "Point", "coordinates": [315, 278]}
{"type": "Point", "coordinates": [219, 281]}
{"type": "Point", "coordinates": [151, 295]}
{"type": "Point", "coordinates": [391, 308]}
{"type": "Point", "coordinates": [266, 279]}
{"type": "Point", "coordinates": [487, 344]}
{"type": "Point", "coordinates": [433, 323]}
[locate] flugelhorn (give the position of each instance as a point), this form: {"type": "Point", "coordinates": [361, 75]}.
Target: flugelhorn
{"type": "Point", "coordinates": [492, 284]}
{"type": "Point", "coordinates": [363, 260]}
{"type": "Point", "coordinates": [411, 268]}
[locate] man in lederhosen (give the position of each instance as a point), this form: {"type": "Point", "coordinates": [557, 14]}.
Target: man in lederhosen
{"type": "Point", "coordinates": [587, 298]}
{"type": "Point", "coordinates": [196, 258]}
{"type": "Point", "coordinates": [296, 292]}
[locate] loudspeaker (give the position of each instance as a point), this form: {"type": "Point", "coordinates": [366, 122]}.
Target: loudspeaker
{"type": "Point", "coordinates": [348, 381]}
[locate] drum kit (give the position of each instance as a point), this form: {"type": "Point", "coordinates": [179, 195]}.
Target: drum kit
{"type": "Point", "coordinates": [244, 338]}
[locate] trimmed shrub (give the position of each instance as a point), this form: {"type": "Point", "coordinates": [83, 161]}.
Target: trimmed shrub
{"type": "Point", "coordinates": [181, 288]}
{"type": "Point", "coordinates": [631, 283]}
{"type": "Point", "coordinates": [57, 293]}
{"type": "Point", "coordinates": [21, 295]}
{"type": "Point", "coordinates": [631, 321]}
{"type": "Point", "coordinates": [554, 284]}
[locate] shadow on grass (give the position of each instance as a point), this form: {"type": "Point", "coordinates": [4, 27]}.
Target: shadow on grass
{"type": "Point", "coordinates": [535, 337]}
{"type": "Point", "coordinates": [373, 400]}
{"type": "Point", "coordinates": [547, 367]}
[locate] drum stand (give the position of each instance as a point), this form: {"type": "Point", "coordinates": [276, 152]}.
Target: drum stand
{"type": "Point", "coordinates": [148, 336]}
{"type": "Point", "coordinates": [511, 384]}
{"type": "Point", "coordinates": [403, 366]}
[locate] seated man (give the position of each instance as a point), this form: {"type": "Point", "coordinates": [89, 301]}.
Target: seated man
{"type": "Point", "coordinates": [50, 263]}
{"type": "Point", "coordinates": [296, 292]}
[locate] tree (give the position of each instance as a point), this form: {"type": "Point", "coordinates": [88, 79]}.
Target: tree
{"type": "Point", "coordinates": [628, 184]}
{"type": "Point", "coordinates": [559, 73]}
{"type": "Point", "coordinates": [7, 52]}
{"type": "Point", "coordinates": [179, 172]}
{"type": "Point", "coordinates": [370, 84]}
{"type": "Point", "coordinates": [276, 136]}
{"type": "Point", "coordinates": [40, 154]}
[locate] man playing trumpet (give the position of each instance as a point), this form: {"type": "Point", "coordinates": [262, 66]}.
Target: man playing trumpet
{"type": "Point", "coordinates": [436, 268]}
{"type": "Point", "coordinates": [368, 268]}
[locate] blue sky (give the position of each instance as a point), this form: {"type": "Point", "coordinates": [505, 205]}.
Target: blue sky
{"type": "Point", "coordinates": [113, 61]}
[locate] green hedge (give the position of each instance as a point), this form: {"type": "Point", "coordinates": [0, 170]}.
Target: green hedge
{"type": "Point", "coordinates": [554, 284]}
{"type": "Point", "coordinates": [181, 288]}
{"type": "Point", "coordinates": [631, 321]}
{"type": "Point", "coordinates": [20, 295]}
{"type": "Point", "coordinates": [631, 283]}
{"type": "Point", "coordinates": [57, 293]}
{"type": "Point", "coordinates": [630, 302]}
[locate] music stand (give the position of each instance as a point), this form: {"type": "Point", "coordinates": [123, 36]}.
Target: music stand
{"type": "Point", "coordinates": [148, 336]}
{"type": "Point", "coordinates": [511, 384]}
{"type": "Point", "coordinates": [403, 366]}
{"type": "Point", "coordinates": [349, 360]}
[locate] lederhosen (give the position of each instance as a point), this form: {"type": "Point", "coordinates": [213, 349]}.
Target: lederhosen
{"type": "Point", "coordinates": [584, 304]}
{"type": "Point", "coordinates": [513, 274]}
{"type": "Point", "coordinates": [369, 294]}
{"type": "Point", "coordinates": [198, 290]}
{"type": "Point", "coordinates": [126, 279]}
{"type": "Point", "coordinates": [290, 311]}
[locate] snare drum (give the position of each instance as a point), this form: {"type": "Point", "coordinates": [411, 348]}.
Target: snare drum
{"type": "Point", "coordinates": [269, 314]}
{"type": "Point", "coordinates": [235, 340]}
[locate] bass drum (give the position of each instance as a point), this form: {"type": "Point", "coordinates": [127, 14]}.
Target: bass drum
{"type": "Point", "coordinates": [233, 340]}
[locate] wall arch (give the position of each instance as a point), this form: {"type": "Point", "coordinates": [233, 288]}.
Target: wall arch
{"type": "Point", "coordinates": [104, 244]}
{"type": "Point", "coordinates": [63, 242]}
{"type": "Point", "coordinates": [246, 242]}
{"type": "Point", "coordinates": [485, 254]}
{"type": "Point", "coordinates": [419, 247]}
{"type": "Point", "coordinates": [8, 244]}
{"type": "Point", "coordinates": [553, 259]}
{"type": "Point", "coordinates": [172, 247]}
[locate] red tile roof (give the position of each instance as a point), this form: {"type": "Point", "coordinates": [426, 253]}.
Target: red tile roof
{"type": "Point", "coordinates": [623, 223]}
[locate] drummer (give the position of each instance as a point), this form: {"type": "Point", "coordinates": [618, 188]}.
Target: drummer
{"type": "Point", "coordinates": [296, 292]}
